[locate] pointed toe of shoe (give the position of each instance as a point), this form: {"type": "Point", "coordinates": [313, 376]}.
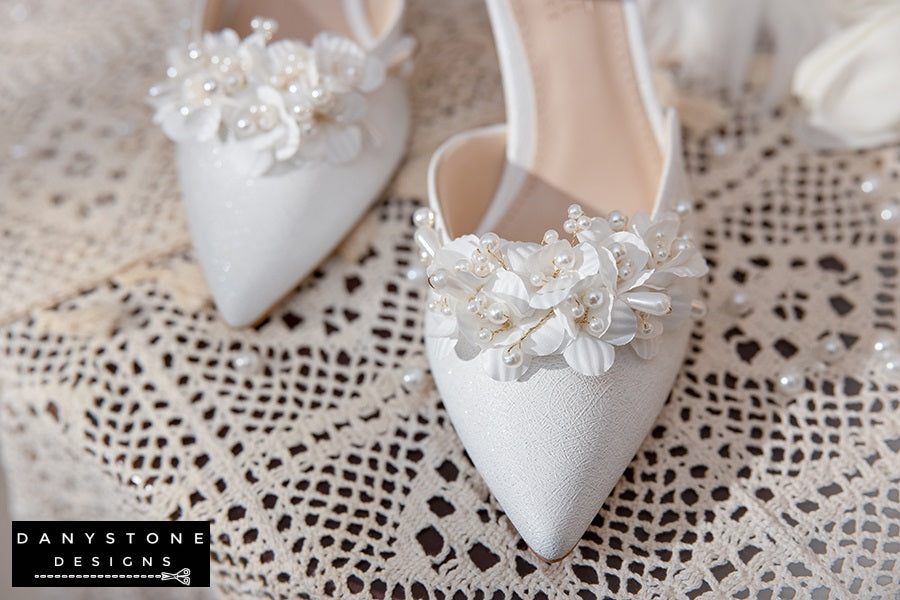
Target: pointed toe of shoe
{"type": "Point", "coordinates": [256, 238]}
{"type": "Point", "coordinates": [552, 445]}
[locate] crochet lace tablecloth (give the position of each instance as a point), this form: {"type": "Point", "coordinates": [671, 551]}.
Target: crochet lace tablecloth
{"type": "Point", "coordinates": [123, 395]}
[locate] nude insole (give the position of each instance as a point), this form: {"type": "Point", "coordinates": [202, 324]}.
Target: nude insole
{"type": "Point", "coordinates": [593, 142]}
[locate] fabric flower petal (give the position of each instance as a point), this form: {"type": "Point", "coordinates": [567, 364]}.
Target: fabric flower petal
{"type": "Point", "coordinates": [589, 356]}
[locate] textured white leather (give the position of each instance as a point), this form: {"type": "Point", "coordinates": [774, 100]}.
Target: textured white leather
{"type": "Point", "coordinates": [256, 238]}
{"type": "Point", "coordinates": [552, 446]}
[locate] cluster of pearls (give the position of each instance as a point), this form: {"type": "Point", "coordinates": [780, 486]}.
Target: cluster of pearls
{"type": "Point", "coordinates": [252, 88]}
{"type": "Point", "coordinates": [471, 283]}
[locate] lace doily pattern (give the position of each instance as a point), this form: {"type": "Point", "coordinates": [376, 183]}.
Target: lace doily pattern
{"type": "Point", "coordinates": [324, 459]}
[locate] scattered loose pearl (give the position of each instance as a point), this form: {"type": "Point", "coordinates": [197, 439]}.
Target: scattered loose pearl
{"type": "Point", "coordinates": [247, 362]}
{"type": "Point", "coordinates": [490, 241]}
{"type": "Point", "coordinates": [575, 211]}
{"type": "Point", "coordinates": [617, 220]}
{"type": "Point", "coordinates": [891, 365]}
{"type": "Point", "coordinates": [413, 379]}
{"type": "Point", "coordinates": [496, 313]}
{"type": "Point", "coordinates": [570, 226]}
{"type": "Point", "coordinates": [416, 272]}
{"type": "Point", "coordinates": [550, 236]}
{"type": "Point", "coordinates": [831, 348]}
{"type": "Point", "coordinates": [565, 259]}
{"type": "Point", "coordinates": [439, 279]}
{"type": "Point", "coordinates": [593, 298]}
{"type": "Point", "coordinates": [618, 251]}
{"type": "Point", "coordinates": [889, 212]}
{"type": "Point", "coordinates": [485, 334]}
{"type": "Point", "coordinates": [885, 343]}
{"type": "Point", "coordinates": [721, 146]}
{"type": "Point", "coordinates": [870, 184]}
{"type": "Point", "coordinates": [739, 304]}
{"type": "Point", "coordinates": [513, 357]}
{"type": "Point", "coordinates": [790, 380]}
{"type": "Point", "coordinates": [18, 151]}
{"type": "Point", "coordinates": [423, 217]}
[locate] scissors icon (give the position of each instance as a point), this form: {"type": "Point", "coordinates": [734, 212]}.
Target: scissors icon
{"type": "Point", "coordinates": [183, 576]}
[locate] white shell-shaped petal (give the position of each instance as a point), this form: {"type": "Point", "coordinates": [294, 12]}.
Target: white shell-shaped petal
{"type": "Point", "coordinates": [623, 325]}
{"type": "Point", "coordinates": [342, 143]}
{"type": "Point", "coordinates": [589, 356]}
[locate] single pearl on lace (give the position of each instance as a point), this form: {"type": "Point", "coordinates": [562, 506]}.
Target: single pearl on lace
{"type": "Point", "coordinates": [416, 272]}
{"type": "Point", "coordinates": [413, 379]}
{"type": "Point", "coordinates": [618, 251]}
{"type": "Point", "coordinates": [885, 342]}
{"type": "Point", "coordinates": [550, 236]}
{"type": "Point", "coordinates": [439, 279]}
{"type": "Point", "coordinates": [513, 357]}
{"type": "Point", "coordinates": [246, 362]}
{"type": "Point", "coordinates": [423, 217]}
{"type": "Point", "coordinates": [790, 380]}
{"type": "Point", "coordinates": [574, 211]}
{"type": "Point", "coordinates": [831, 348]}
{"type": "Point", "coordinates": [617, 220]}
{"type": "Point", "coordinates": [889, 211]}
{"type": "Point", "coordinates": [593, 298]}
{"type": "Point", "coordinates": [890, 365]}
{"type": "Point", "coordinates": [565, 259]}
{"type": "Point", "coordinates": [739, 304]}
{"type": "Point", "coordinates": [490, 241]}
{"type": "Point", "coordinates": [721, 146]}
{"type": "Point", "coordinates": [583, 223]}
{"type": "Point", "coordinates": [570, 226]}
{"type": "Point", "coordinates": [870, 184]}
{"type": "Point", "coordinates": [462, 266]}
{"type": "Point", "coordinates": [496, 313]}
{"type": "Point", "coordinates": [485, 334]}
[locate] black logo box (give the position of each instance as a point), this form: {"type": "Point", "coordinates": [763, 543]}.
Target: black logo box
{"type": "Point", "coordinates": [110, 553]}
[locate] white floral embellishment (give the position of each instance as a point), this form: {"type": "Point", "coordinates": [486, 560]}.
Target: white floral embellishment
{"type": "Point", "coordinates": [269, 103]}
{"type": "Point", "coordinates": [614, 283]}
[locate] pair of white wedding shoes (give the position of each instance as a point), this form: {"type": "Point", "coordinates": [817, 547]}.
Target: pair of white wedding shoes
{"type": "Point", "coordinates": [561, 263]}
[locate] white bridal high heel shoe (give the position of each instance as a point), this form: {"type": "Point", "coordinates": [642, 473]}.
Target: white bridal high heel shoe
{"type": "Point", "coordinates": [283, 141]}
{"type": "Point", "coordinates": [554, 350]}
